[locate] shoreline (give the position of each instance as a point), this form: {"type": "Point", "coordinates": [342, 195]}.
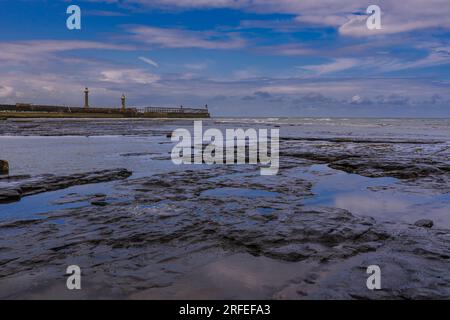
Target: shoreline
{"type": "Point", "coordinates": [225, 228]}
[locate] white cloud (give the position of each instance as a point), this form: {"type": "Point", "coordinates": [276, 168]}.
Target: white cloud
{"type": "Point", "coordinates": [6, 91]}
{"type": "Point", "coordinates": [391, 24]}
{"type": "Point", "coordinates": [335, 66]}
{"type": "Point", "coordinates": [356, 99]}
{"type": "Point", "coordinates": [398, 16]}
{"type": "Point", "coordinates": [329, 20]}
{"type": "Point", "coordinates": [128, 76]}
{"type": "Point", "coordinates": [33, 50]}
{"type": "Point", "coordinates": [287, 50]}
{"type": "Point", "coordinates": [149, 61]}
{"type": "Point", "coordinates": [180, 38]}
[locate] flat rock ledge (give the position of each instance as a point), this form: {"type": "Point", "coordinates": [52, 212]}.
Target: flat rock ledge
{"type": "Point", "coordinates": [13, 188]}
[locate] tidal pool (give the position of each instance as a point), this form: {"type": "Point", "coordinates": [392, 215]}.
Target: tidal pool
{"type": "Point", "coordinates": [35, 206]}
{"type": "Point", "coordinates": [376, 197]}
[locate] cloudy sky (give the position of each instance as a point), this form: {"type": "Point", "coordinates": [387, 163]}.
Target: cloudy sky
{"type": "Point", "coordinates": [241, 57]}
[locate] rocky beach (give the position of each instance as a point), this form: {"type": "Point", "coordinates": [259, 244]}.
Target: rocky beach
{"type": "Point", "coordinates": [104, 195]}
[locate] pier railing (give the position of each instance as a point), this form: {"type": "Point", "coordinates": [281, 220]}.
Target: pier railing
{"type": "Point", "coordinates": [172, 110]}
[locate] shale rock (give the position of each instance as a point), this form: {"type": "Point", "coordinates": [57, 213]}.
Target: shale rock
{"type": "Point", "coordinates": [10, 195]}
{"type": "Point", "coordinates": [425, 223]}
{"type": "Point", "coordinates": [4, 167]}
{"type": "Point", "coordinates": [13, 191]}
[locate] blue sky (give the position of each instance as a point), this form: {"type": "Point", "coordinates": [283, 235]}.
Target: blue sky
{"type": "Point", "coordinates": [241, 57]}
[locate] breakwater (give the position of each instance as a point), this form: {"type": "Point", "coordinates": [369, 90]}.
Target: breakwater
{"type": "Point", "coordinates": [48, 111]}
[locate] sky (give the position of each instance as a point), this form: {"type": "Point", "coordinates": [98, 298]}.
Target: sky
{"type": "Point", "coordinates": [244, 58]}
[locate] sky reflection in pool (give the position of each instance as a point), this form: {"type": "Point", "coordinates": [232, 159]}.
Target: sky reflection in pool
{"type": "Point", "coordinates": [32, 207]}
{"type": "Point", "coordinates": [376, 197]}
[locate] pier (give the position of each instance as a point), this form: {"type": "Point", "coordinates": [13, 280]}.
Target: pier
{"type": "Point", "coordinates": [25, 110]}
